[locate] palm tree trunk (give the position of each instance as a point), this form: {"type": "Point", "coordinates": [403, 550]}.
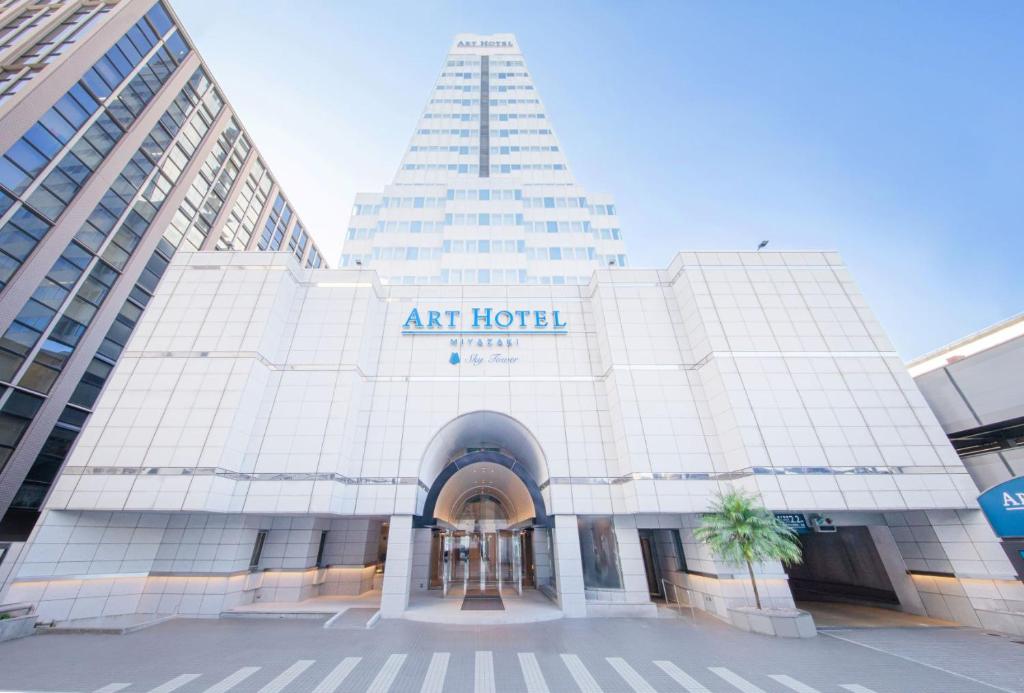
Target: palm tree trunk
{"type": "Point", "coordinates": [753, 582]}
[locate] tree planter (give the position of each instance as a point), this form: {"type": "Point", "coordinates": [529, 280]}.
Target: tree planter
{"type": "Point", "coordinates": [17, 627]}
{"type": "Point", "coordinates": [780, 623]}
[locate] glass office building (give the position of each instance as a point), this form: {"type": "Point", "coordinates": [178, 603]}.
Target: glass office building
{"type": "Point", "coordinates": [486, 401]}
{"type": "Point", "coordinates": [119, 150]}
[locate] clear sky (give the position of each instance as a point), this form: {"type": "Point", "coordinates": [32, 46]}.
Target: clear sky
{"type": "Point", "coordinates": [892, 132]}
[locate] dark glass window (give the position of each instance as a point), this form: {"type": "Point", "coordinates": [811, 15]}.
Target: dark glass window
{"type": "Point", "coordinates": [257, 549]}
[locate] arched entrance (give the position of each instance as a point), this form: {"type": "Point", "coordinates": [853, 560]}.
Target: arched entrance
{"type": "Point", "coordinates": [486, 513]}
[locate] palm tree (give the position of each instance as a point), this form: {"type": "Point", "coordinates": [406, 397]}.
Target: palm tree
{"type": "Point", "coordinates": [738, 530]}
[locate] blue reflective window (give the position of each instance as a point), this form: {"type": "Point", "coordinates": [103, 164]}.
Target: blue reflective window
{"type": "Point", "coordinates": [26, 157]}
{"type": "Point", "coordinates": [177, 46]}
{"type": "Point", "coordinates": [57, 125]}
{"type": "Point", "coordinates": [555, 253]}
{"type": "Point", "coordinates": [12, 177]}
{"type": "Point", "coordinates": [159, 19]}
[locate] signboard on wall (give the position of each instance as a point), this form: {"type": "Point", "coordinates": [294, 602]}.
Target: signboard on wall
{"type": "Point", "coordinates": [1003, 505]}
{"type": "Point", "coordinates": [795, 521]}
{"type": "Point", "coordinates": [484, 334]}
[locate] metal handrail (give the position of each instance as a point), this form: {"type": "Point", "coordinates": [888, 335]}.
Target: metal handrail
{"type": "Point", "coordinates": [675, 590]}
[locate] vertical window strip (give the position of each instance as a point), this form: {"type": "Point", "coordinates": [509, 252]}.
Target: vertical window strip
{"type": "Point", "coordinates": [71, 294]}
{"type": "Point", "coordinates": [208, 193]}
{"type": "Point", "coordinates": [249, 205]}
{"type": "Point", "coordinates": [92, 131]}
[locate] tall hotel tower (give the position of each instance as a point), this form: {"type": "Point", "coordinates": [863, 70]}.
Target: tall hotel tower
{"type": "Point", "coordinates": [119, 149]}
{"type": "Point", "coordinates": [484, 194]}
{"type": "Point", "coordinates": [484, 402]}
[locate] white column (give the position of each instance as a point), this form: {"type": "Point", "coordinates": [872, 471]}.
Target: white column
{"type": "Point", "coordinates": [896, 570]}
{"type": "Point", "coordinates": [569, 567]}
{"type": "Point", "coordinates": [631, 560]}
{"type": "Point", "coordinates": [394, 596]}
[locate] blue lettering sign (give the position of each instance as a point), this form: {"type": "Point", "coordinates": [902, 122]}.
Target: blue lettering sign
{"type": "Point", "coordinates": [481, 316]}
{"type": "Point", "coordinates": [1003, 505]}
{"type": "Point", "coordinates": [412, 320]}
{"type": "Point", "coordinates": [485, 320]}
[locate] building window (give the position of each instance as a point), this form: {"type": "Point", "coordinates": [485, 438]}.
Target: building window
{"type": "Point", "coordinates": [677, 540]}
{"type": "Point", "coordinates": [320, 550]}
{"type": "Point", "coordinates": [600, 553]}
{"type": "Point", "coordinates": [257, 549]}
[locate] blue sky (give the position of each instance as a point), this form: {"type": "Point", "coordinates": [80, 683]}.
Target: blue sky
{"type": "Point", "coordinates": [892, 132]}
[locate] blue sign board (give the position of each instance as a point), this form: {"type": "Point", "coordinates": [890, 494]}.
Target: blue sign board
{"type": "Point", "coordinates": [1003, 505]}
{"type": "Point", "coordinates": [795, 521]}
{"type": "Point", "coordinates": [483, 321]}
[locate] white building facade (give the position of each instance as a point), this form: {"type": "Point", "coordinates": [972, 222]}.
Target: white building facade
{"type": "Point", "coordinates": [280, 433]}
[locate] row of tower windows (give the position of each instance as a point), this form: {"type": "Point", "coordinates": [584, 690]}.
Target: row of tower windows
{"type": "Point", "coordinates": [491, 75]}
{"type": "Point", "coordinates": [474, 169]}
{"type": "Point", "coordinates": [561, 227]}
{"type": "Point", "coordinates": [456, 149]}
{"type": "Point", "coordinates": [493, 62]}
{"type": "Point", "coordinates": [490, 102]}
{"type": "Point", "coordinates": [474, 247]}
{"type": "Point", "coordinates": [491, 276]}
{"type": "Point", "coordinates": [499, 88]}
{"type": "Point", "coordinates": [495, 117]}
{"type": "Point", "coordinates": [511, 132]}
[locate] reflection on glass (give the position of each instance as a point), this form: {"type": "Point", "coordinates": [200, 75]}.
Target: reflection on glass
{"type": "Point", "coordinates": [600, 553]}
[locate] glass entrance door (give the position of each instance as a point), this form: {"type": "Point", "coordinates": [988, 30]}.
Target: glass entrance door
{"type": "Point", "coordinates": [480, 560]}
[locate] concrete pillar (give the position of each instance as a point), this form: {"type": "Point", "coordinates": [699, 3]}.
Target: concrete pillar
{"type": "Point", "coordinates": [896, 570]}
{"type": "Point", "coordinates": [631, 560]}
{"type": "Point", "coordinates": [569, 567]}
{"type": "Point", "coordinates": [394, 596]}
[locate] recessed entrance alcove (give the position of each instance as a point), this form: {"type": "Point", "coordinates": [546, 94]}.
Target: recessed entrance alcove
{"type": "Point", "coordinates": [489, 555]}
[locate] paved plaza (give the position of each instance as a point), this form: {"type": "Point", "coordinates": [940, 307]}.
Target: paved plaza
{"type": "Point", "coordinates": [591, 655]}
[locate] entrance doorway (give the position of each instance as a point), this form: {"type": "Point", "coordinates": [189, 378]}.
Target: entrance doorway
{"type": "Point", "coordinates": [652, 566]}
{"type": "Point", "coordinates": [841, 566]}
{"type": "Point", "coordinates": [480, 563]}
{"type": "Point", "coordinates": [485, 519]}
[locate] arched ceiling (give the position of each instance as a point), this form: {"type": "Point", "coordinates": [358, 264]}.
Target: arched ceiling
{"type": "Point", "coordinates": [483, 429]}
{"type": "Point", "coordinates": [484, 477]}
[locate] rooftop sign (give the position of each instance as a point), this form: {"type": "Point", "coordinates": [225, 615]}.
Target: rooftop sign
{"type": "Point", "coordinates": [485, 44]}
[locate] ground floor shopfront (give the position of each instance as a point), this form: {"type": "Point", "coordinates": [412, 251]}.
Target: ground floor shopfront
{"type": "Point", "coordinates": [274, 434]}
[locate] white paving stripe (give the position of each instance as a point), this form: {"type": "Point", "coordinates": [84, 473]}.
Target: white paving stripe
{"type": "Point", "coordinates": [793, 684]}
{"type": "Point", "coordinates": [736, 680]}
{"type": "Point", "coordinates": [338, 674]}
{"type": "Point", "coordinates": [333, 680]}
{"type": "Point", "coordinates": [691, 684]}
{"type": "Point", "coordinates": [386, 675]}
{"type": "Point", "coordinates": [630, 675]}
{"type": "Point", "coordinates": [483, 679]}
{"type": "Point", "coordinates": [434, 681]}
{"type": "Point", "coordinates": [112, 688]}
{"type": "Point", "coordinates": [855, 688]}
{"type": "Point", "coordinates": [233, 680]}
{"type": "Point", "coordinates": [535, 682]}
{"type": "Point", "coordinates": [175, 683]}
{"type": "Point", "coordinates": [580, 675]}
{"type": "Point", "coordinates": [287, 676]}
